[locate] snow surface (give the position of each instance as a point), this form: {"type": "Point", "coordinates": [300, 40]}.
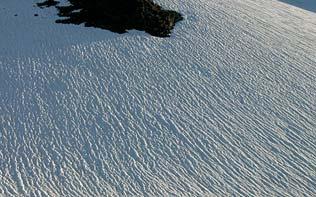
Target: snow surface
{"type": "Point", "coordinates": [225, 106]}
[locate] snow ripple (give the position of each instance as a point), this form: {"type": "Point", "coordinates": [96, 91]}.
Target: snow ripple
{"type": "Point", "coordinates": [226, 106]}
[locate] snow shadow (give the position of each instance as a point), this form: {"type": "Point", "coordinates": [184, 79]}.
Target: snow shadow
{"type": "Point", "coordinates": [309, 5]}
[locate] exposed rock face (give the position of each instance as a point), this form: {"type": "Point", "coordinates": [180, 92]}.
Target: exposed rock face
{"type": "Point", "coordinates": [118, 15]}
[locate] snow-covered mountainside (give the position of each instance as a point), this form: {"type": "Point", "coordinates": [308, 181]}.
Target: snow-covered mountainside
{"type": "Point", "coordinates": [224, 107]}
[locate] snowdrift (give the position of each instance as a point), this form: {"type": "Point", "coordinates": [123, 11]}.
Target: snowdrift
{"type": "Point", "coordinates": [225, 106]}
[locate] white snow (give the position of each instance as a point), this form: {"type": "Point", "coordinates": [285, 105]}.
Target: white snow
{"type": "Point", "coordinates": [225, 106]}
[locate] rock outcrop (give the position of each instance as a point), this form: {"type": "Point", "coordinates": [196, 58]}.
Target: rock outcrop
{"type": "Point", "coordinates": [118, 15]}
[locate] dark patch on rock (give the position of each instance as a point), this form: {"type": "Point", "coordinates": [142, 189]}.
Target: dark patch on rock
{"type": "Point", "coordinates": [47, 3]}
{"type": "Point", "coordinates": [118, 15]}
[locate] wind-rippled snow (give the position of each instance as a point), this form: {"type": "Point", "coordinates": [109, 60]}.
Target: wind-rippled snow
{"type": "Point", "coordinates": [225, 106]}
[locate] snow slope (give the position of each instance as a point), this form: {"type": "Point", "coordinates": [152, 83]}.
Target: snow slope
{"type": "Point", "coordinates": [225, 106]}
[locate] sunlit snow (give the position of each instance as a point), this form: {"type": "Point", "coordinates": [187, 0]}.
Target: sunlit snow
{"type": "Point", "coordinates": [225, 106]}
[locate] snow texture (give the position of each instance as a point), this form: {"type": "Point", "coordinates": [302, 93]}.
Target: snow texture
{"type": "Point", "coordinates": [224, 107]}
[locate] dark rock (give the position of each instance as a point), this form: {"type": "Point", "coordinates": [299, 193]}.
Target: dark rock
{"type": "Point", "coordinates": [47, 3]}
{"type": "Point", "coordinates": [118, 15]}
